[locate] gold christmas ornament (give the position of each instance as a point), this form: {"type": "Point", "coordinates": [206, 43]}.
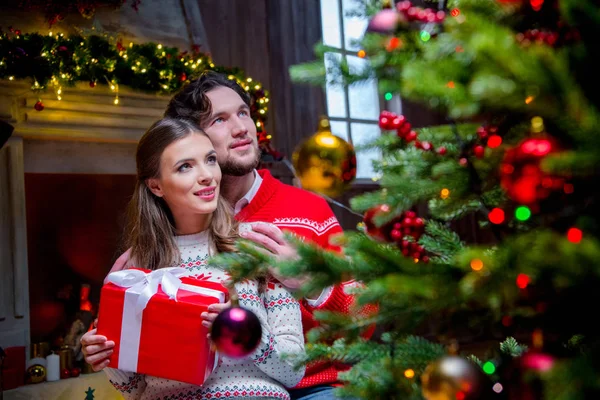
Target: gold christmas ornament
{"type": "Point", "coordinates": [325, 163]}
{"type": "Point", "coordinates": [453, 377]}
{"type": "Point", "coordinates": [36, 373]}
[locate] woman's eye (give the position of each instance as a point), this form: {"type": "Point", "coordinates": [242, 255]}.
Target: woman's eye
{"type": "Point", "coordinates": [212, 159]}
{"type": "Point", "coordinates": [218, 120]}
{"type": "Point", "coordinates": [184, 167]}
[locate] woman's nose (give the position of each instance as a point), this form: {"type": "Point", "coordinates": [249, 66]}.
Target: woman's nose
{"type": "Point", "coordinates": [205, 176]}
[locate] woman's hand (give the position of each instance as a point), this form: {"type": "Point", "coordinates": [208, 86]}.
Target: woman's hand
{"type": "Point", "coordinates": [210, 315]}
{"type": "Point", "coordinates": [96, 349]}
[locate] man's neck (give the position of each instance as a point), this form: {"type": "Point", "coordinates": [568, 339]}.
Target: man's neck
{"type": "Point", "coordinates": [234, 188]}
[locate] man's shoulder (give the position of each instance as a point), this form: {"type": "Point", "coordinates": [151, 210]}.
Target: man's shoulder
{"type": "Point", "coordinates": [297, 194]}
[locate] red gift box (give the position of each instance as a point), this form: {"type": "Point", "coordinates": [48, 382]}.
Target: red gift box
{"type": "Point", "coordinates": [154, 319]}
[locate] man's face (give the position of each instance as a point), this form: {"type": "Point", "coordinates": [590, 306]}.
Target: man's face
{"type": "Point", "coordinates": [232, 132]}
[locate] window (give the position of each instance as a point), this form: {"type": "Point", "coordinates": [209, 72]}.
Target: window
{"type": "Point", "coordinates": [353, 111]}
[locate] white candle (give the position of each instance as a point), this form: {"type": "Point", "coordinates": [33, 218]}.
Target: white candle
{"type": "Point", "coordinates": [52, 367]}
{"type": "Point", "coordinates": [34, 361]}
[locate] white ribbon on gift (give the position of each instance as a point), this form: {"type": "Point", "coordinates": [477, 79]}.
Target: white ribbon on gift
{"type": "Point", "coordinates": [141, 287]}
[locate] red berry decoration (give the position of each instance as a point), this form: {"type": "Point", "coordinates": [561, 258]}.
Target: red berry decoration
{"type": "Point", "coordinates": [183, 77]}
{"type": "Point", "coordinates": [236, 332]}
{"type": "Point", "coordinates": [92, 84]}
{"type": "Point", "coordinates": [405, 224]}
{"type": "Point", "coordinates": [425, 15]}
{"type": "Point", "coordinates": [65, 373]}
{"type": "Point", "coordinates": [39, 106]}
{"type": "Point", "coordinates": [479, 151]}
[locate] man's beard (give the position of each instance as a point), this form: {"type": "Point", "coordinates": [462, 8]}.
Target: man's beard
{"type": "Point", "coordinates": [234, 168]}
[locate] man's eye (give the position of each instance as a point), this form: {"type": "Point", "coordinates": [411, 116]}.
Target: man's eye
{"type": "Point", "coordinates": [218, 120]}
{"type": "Point", "coordinates": [244, 113]}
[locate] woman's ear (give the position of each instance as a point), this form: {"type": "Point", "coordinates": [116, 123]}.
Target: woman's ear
{"type": "Point", "coordinates": [154, 187]}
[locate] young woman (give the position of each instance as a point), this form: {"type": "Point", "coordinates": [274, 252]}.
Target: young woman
{"type": "Point", "coordinates": [177, 218]}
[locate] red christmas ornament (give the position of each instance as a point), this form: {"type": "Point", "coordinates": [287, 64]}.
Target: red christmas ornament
{"type": "Point", "coordinates": [75, 372]}
{"type": "Point", "coordinates": [574, 235]}
{"type": "Point", "coordinates": [521, 175]}
{"type": "Point", "coordinates": [236, 332]}
{"type": "Point", "coordinates": [183, 77]}
{"type": "Point", "coordinates": [39, 106]}
{"type": "Point", "coordinates": [496, 216]}
{"type": "Point", "coordinates": [92, 84]}
{"type": "Point", "coordinates": [539, 362]}
{"type": "Point", "coordinates": [65, 373]}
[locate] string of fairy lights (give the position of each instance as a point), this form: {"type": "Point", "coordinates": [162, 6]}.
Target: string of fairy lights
{"type": "Point", "coordinates": [55, 61]}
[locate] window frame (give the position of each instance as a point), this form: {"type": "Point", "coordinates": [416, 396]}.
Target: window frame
{"type": "Point", "coordinates": [348, 120]}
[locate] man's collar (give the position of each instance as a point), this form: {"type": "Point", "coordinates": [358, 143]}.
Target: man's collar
{"type": "Point", "coordinates": [247, 198]}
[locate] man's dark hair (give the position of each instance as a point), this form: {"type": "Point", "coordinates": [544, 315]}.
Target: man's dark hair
{"type": "Point", "coordinates": [191, 102]}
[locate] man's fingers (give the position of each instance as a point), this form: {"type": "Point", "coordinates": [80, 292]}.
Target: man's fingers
{"type": "Point", "coordinates": [262, 250]}
{"type": "Point", "coordinates": [273, 232]}
{"type": "Point", "coordinates": [263, 240]}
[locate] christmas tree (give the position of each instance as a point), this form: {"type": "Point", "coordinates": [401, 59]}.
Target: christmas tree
{"type": "Point", "coordinates": [505, 313]}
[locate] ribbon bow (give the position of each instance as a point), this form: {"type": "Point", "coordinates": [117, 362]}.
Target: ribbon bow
{"type": "Point", "coordinates": [146, 284]}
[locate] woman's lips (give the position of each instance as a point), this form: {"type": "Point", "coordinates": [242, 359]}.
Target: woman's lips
{"type": "Point", "coordinates": [206, 194]}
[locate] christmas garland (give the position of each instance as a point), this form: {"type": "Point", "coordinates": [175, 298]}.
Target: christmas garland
{"type": "Point", "coordinates": [54, 61]}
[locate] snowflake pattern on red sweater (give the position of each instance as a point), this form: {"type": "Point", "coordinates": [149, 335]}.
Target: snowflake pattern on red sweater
{"type": "Point", "coordinates": [318, 227]}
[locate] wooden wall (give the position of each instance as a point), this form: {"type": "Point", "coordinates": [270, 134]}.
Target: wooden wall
{"type": "Point", "coordinates": [265, 38]}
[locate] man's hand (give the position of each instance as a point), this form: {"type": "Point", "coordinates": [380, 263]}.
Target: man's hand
{"type": "Point", "coordinates": [96, 349]}
{"type": "Point", "coordinates": [272, 239]}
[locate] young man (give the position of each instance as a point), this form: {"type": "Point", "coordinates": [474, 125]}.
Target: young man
{"type": "Point", "coordinates": [222, 109]}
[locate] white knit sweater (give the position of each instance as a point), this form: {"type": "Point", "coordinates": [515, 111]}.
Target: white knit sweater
{"type": "Point", "coordinates": [263, 374]}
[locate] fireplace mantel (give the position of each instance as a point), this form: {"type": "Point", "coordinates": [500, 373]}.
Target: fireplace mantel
{"type": "Point", "coordinates": [84, 133]}
{"type": "Point", "coordinates": [83, 114]}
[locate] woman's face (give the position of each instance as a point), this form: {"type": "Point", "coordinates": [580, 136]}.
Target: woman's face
{"type": "Point", "coordinates": [189, 182]}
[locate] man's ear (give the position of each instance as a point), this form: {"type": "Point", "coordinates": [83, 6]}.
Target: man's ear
{"type": "Point", "coordinates": [154, 187]}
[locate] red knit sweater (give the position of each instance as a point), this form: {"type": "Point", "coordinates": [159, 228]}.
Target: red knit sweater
{"type": "Point", "coordinates": [309, 216]}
